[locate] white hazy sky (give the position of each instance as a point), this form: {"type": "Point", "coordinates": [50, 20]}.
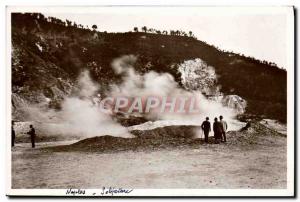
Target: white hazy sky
{"type": "Point", "coordinates": [253, 31]}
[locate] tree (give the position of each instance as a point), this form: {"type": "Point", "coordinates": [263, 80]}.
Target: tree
{"type": "Point", "coordinates": [69, 23]}
{"type": "Point", "coordinates": [135, 29]}
{"type": "Point", "coordinates": [144, 29]}
{"type": "Point", "coordinates": [190, 33]}
{"type": "Point", "coordinates": [94, 27]}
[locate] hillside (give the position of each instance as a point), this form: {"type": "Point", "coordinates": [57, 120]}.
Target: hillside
{"type": "Point", "coordinates": [48, 54]}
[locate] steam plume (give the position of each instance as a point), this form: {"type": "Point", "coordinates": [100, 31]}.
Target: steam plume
{"type": "Point", "coordinates": [163, 84]}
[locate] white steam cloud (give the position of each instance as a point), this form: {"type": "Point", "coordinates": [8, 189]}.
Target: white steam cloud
{"type": "Point", "coordinates": [163, 85]}
{"type": "Point", "coordinates": [80, 117]}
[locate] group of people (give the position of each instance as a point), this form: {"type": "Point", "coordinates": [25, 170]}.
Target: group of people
{"type": "Point", "coordinates": [219, 128]}
{"type": "Point", "coordinates": [31, 132]}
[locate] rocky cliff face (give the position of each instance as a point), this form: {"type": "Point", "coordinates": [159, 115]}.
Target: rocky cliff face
{"type": "Point", "coordinates": [197, 75]}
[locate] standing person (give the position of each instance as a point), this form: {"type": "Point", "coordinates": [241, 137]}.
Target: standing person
{"type": "Point", "coordinates": [13, 134]}
{"type": "Point", "coordinates": [31, 132]}
{"type": "Point", "coordinates": [205, 126]}
{"type": "Point", "coordinates": [217, 127]}
{"type": "Point", "coordinates": [224, 128]}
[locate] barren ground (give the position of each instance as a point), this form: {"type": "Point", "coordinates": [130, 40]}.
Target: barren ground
{"type": "Point", "coordinates": [260, 164]}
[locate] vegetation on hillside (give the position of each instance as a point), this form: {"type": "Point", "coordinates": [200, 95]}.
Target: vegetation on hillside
{"type": "Point", "coordinates": [49, 53]}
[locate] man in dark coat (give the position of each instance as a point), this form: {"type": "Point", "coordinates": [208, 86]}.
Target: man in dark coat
{"type": "Point", "coordinates": [31, 132]}
{"type": "Point", "coordinates": [217, 127]}
{"type": "Point", "coordinates": [13, 134]}
{"type": "Point", "coordinates": [205, 126]}
{"type": "Point", "coordinates": [224, 128]}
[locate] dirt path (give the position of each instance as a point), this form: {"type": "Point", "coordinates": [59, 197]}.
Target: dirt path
{"type": "Point", "coordinates": [207, 166]}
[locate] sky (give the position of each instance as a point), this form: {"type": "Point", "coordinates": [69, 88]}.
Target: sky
{"type": "Point", "coordinates": [253, 31]}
